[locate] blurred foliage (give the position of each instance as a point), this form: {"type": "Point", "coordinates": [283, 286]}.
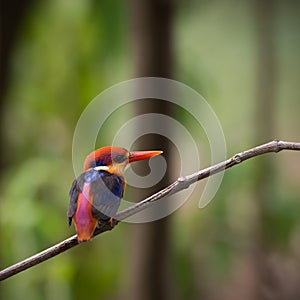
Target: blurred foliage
{"type": "Point", "coordinates": [68, 52]}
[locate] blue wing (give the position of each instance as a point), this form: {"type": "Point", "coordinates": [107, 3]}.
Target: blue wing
{"type": "Point", "coordinates": [106, 191]}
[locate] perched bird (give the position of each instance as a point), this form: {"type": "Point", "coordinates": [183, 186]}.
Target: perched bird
{"type": "Point", "coordinates": [95, 196]}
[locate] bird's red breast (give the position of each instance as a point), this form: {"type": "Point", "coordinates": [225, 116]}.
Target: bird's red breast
{"type": "Point", "coordinates": [85, 222]}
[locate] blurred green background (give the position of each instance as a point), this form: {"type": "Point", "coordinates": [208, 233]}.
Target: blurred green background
{"type": "Point", "coordinates": [243, 57]}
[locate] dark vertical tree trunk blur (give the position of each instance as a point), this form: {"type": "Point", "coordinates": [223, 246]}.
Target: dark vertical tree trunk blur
{"type": "Point", "coordinates": [265, 130]}
{"type": "Point", "coordinates": [152, 22]}
{"type": "Point", "coordinates": [12, 13]}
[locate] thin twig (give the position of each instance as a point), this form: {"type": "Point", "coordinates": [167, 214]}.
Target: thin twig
{"type": "Point", "coordinates": [179, 185]}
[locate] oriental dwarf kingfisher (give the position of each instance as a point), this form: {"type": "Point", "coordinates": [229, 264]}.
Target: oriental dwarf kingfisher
{"type": "Point", "coordinates": [96, 194]}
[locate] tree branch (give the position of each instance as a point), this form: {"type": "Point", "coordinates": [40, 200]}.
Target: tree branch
{"type": "Point", "coordinates": [179, 185]}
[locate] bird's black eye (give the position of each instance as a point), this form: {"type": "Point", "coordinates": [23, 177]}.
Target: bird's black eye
{"type": "Point", "coordinates": [119, 158]}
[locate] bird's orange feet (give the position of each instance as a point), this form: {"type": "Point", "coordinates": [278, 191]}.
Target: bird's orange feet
{"type": "Point", "coordinates": [111, 222]}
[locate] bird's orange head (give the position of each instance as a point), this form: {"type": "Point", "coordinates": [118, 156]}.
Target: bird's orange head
{"type": "Point", "coordinates": [114, 159]}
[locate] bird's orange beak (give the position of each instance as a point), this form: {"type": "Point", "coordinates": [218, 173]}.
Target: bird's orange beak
{"type": "Point", "coordinates": [139, 155]}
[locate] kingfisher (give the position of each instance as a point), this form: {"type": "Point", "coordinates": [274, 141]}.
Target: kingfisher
{"type": "Point", "coordinates": [95, 196]}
